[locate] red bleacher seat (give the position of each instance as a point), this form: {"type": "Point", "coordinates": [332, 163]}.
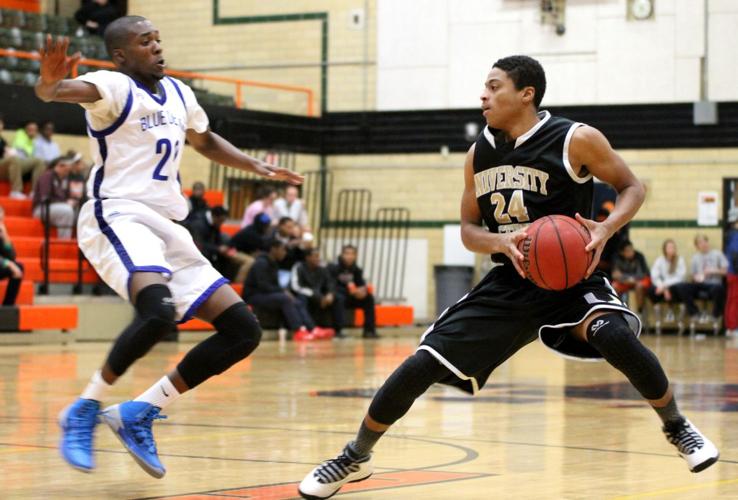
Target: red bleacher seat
{"type": "Point", "coordinates": [25, 294]}
{"type": "Point", "coordinates": [212, 196]}
{"type": "Point", "coordinates": [25, 226]}
{"type": "Point", "coordinates": [17, 208]}
{"type": "Point", "coordinates": [230, 229]}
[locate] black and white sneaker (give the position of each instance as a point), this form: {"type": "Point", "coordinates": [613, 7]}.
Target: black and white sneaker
{"type": "Point", "coordinates": [692, 445]}
{"type": "Point", "coordinates": [325, 480]}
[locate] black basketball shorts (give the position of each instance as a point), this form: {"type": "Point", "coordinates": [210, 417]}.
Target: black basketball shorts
{"type": "Point", "coordinates": [504, 313]}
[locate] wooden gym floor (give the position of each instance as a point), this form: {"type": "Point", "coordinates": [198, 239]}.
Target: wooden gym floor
{"type": "Point", "coordinates": [544, 428]}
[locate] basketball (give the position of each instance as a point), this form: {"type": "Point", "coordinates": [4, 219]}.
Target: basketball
{"type": "Point", "coordinates": [554, 251]}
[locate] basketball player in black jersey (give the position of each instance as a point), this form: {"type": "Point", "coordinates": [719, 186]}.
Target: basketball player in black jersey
{"type": "Point", "coordinates": [525, 164]}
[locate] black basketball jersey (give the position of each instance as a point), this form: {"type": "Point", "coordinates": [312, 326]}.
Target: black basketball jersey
{"type": "Point", "coordinates": [520, 181]}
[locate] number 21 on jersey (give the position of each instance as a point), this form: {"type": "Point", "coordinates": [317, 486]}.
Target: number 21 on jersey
{"type": "Point", "coordinates": [515, 209]}
{"type": "Point", "coordinates": [164, 148]}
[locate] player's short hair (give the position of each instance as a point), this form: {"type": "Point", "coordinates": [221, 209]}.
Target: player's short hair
{"type": "Point", "coordinates": [701, 236]}
{"type": "Point", "coordinates": [525, 71]}
{"type": "Point", "coordinates": [264, 192]}
{"type": "Point", "coordinates": [61, 159]}
{"type": "Point", "coordinates": [219, 211]}
{"type": "Point", "coordinates": [311, 251]}
{"type": "Point", "coordinates": [348, 247]}
{"type": "Point", "coordinates": [624, 244]}
{"type": "Point", "coordinates": [275, 243]}
{"type": "Point", "coordinates": [116, 34]}
{"type": "Point", "coordinates": [285, 220]}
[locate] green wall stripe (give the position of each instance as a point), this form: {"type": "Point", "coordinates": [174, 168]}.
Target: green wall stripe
{"type": "Point", "coordinates": [280, 18]}
{"type": "Point", "coordinates": [437, 224]}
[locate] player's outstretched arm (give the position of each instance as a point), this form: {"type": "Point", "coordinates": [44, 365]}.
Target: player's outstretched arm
{"type": "Point", "coordinates": [217, 149]}
{"type": "Point", "coordinates": [475, 237]}
{"type": "Point", "coordinates": [55, 66]}
{"type": "Point", "coordinates": [590, 148]}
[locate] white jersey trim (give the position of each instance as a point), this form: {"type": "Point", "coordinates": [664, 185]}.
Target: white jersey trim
{"type": "Point", "coordinates": [520, 140]}
{"type": "Point", "coordinates": [565, 156]}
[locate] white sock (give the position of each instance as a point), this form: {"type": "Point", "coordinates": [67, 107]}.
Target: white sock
{"type": "Point", "coordinates": [97, 389]}
{"type": "Point", "coordinates": [160, 394]}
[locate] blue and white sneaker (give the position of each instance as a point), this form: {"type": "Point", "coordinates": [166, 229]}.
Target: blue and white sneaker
{"type": "Point", "coordinates": [77, 422]}
{"type": "Point", "coordinates": [131, 422]}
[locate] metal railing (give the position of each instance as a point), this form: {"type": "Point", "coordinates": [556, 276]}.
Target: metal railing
{"type": "Point", "coordinates": [381, 240]}
{"type": "Point", "coordinates": [237, 82]}
{"type": "Point", "coordinates": [45, 255]}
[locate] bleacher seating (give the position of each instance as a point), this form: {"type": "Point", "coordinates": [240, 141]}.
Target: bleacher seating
{"type": "Point", "coordinates": [27, 31]}
{"type": "Point", "coordinates": [27, 234]}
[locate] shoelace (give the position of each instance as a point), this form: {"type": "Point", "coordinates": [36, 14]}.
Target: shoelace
{"type": "Point", "coordinates": [335, 470]}
{"type": "Point", "coordinates": [141, 429]}
{"type": "Point", "coordinates": [81, 424]}
{"type": "Point", "coordinates": [685, 438]}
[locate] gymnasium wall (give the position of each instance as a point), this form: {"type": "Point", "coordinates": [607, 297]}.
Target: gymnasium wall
{"type": "Point", "coordinates": [440, 59]}
{"type": "Point", "coordinates": [281, 41]}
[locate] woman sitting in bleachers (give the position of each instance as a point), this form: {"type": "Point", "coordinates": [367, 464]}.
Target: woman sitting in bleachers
{"type": "Point", "coordinates": [669, 275]}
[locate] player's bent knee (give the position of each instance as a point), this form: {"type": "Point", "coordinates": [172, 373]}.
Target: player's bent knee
{"type": "Point", "coordinates": [611, 335]}
{"type": "Point", "coordinates": [155, 301]}
{"type": "Point", "coordinates": [155, 308]}
{"type": "Point", "coordinates": [411, 379]}
{"type": "Point", "coordinates": [241, 326]}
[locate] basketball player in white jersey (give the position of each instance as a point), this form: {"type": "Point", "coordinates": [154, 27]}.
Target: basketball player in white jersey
{"type": "Point", "coordinates": [138, 120]}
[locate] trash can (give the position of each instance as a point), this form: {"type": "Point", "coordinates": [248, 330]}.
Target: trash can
{"type": "Point", "coordinates": [452, 283]}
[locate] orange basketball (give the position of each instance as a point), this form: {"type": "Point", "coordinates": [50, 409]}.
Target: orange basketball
{"type": "Point", "coordinates": [555, 258]}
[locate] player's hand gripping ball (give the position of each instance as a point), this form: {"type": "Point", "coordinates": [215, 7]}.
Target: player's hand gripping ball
{"type": "Point", "coordinates": [554, 252]}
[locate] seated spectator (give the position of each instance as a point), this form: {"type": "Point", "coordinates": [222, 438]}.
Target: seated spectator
{"type": "Point", "coordinates": [352, 289]}
{"type": "Point", "coordinates": [264, 204]}
{"type": "Point", "coordinates": [630, 272]}
{"type": "Point", "coordinates": [24, 137]}
{"type": "Point", "coordinates": [13, 166]}
{"type": "Point", "coordinates": [293, 207]}
{"type": "Point", "coordinates": [315, 288]}
{"type": "Point", "coordinates": [198, 206]}
{"type": "Point", "coordinates": [44, 146]}
{"type": "Point", "coordinates": [668, 275]}
{"type": "Point", "coordinates": [709, 267]}
{"type": "Point", "coordinates": [9, 268]}
{"type": "Point", "coordinates": [247, 243]}
{"type": "Point", "coordinates": [96, 15]}
{"type": "Point", "coordinates": [731, 249]}
{"type": "Point", "coordinates": [289, 233]}
{"type": "Point", "coordinates": [262, 290]}
{"type": "Point", "coordinates": [53, 189]}
{"type": "Point", "coordinates": [77, 176]}
{"type": "Point", "coordinates": [207, 235]}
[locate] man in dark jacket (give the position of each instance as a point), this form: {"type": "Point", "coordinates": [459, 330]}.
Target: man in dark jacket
{"type": "Point", "coordinates": [262, 291]}
{"type": "Point", "coordinates": [351, 288]}
{"type": "Point", "coordinates": [315, 288]}
{"type": "Point", "coordinates": [247, 243]}
{"type": "Point", "coordinates": [207, 235]}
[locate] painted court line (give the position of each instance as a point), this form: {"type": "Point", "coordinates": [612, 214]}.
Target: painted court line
{"type": "Point", "coordinates": [382, 481]}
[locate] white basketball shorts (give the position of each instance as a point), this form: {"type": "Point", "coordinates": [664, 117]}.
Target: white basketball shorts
{"type": "Point", "coordinates": [120, 237]}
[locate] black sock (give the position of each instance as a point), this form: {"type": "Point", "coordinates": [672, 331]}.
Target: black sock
{"type": "Point", "coordinates": [669, 413]}
{"type": "Point", "coordinates": [365, 441]}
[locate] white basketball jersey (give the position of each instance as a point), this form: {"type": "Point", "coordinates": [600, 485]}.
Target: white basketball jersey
{"type": "Point", "coordinates": [137, 139]}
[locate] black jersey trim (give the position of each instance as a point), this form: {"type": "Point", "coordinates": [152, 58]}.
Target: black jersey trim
{"type": "Point", "coordinates": [565, 156]}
